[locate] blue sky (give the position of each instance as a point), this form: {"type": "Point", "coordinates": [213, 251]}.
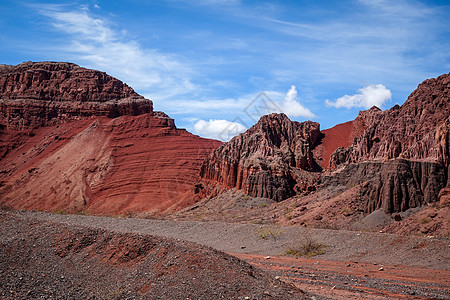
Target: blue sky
{"type": "Point", "coordinates": [215, 66]}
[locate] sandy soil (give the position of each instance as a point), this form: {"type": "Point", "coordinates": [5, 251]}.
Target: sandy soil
{"type": "Point", "coordinates": [355, 265]}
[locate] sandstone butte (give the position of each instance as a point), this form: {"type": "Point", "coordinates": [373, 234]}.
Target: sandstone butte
{"type": "Point", "coordinates": [80, 141]}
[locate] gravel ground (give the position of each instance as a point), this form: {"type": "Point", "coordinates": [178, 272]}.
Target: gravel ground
{"type": "Point", "coordinates": [42, 259]}
{"type": "Point", "coordinates": [349, 268]}
{"type": "Point", "coordinates": [380, 248]}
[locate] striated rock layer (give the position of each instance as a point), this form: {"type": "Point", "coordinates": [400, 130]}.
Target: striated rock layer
{"type": "Point", "coordinates": [103, 152]}
{"type": "Point", "coordinates": [409, 147]}
{"type": "Point", "coordinates": [268, 160]}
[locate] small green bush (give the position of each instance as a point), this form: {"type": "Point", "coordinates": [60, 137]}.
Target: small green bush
{"type": "Point", "coordinates": [309, 247]}
{"type": "Point", "coordinates": [425, 220]}
{"type": "Point", "coordinates": [267, 232]}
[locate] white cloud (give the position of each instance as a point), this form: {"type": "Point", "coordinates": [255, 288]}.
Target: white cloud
{"type": "Point", "coordinates": [371, 95]}
{"type": "Point", "coordinates": [292, 108]}
{"type": "Point", "coordinates": [218, 129]}
{"type": "Point", "coordinates": [250, 107]}
{"type": "Point", "coordinates": [95, 42]}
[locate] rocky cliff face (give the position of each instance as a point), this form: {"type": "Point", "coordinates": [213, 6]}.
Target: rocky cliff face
{"type": "Point", "coordinates": [393, 186]}
{"type": "Point", "coordinates": [268, 160]}
{"type": "Point", "coordinates": [400, 157]}
{"type": "Point", "coordinates": [417, 130]}
{"type": "Point", "coordinates": [407, 147]}
{"type": "Point", "coordinates": [60, 81]}
{"type": "Point", "coordinates": [78, 140]}
{"type": "Point", "coordinates": [47, 93]}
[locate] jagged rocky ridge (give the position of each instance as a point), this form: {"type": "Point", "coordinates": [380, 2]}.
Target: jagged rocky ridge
{"type": "Point", "coordinates": [417, 130]}
{"type": "Point", "coordinates": [77, 139]}
{"type": "Point", "coordinates": [408, 147]}
{"type": "Point", "coordinates": [400, 157]}
{"type": "Point", "coordinates": [269, 160]}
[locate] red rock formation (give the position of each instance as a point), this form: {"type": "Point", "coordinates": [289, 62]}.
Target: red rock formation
{"type": "Point", "coordinates": [409, 148]}
{"type": "Point", "coordinates": [393, 186]}
{"type": "Point", "coordinates": [130, 164]}
{"type": "Point", "coordinates": [60, 81]}
{"type": "Point", "coordinates": [342, 136]}
{"type": "Point", "coordinates": [268, 160]}
{"type": "Point", "coordinates": [417, 130]}
{"type": "Point", "coordinates": [47, 93]}
{"type": "Point", "coordinates": [97, 153]}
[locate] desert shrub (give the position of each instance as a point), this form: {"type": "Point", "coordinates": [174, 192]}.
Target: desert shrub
{"type": "Point", "coordinates": [425, 220]}
{"type": "Point", "coordinates": [345, 211]}
{"type": "Point", "coordinates": [308, 247]}
{"type": "Point", "coordinates": [246, 197]}
{"type": "Point", "coordinates": [295, 205]}
{"type": "Point", "coordinates": [266, 232]}
{"type": "Point", "coordinates": [259, 221]}
{"type": "Point", "coordinates": [130, 214]}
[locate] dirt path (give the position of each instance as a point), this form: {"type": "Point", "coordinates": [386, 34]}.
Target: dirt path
{"type": "Point", "coordinates": [412, 267]}
{"type": "Point", "coordinates": [356, 280]}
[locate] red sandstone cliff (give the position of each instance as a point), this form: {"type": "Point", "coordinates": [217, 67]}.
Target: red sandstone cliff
{"type": "Point", "coordinates": [47, 93]}
{"type": "Point", "coordinates": [78, 140]}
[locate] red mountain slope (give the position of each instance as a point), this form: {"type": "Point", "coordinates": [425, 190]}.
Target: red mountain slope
{"type": "Point", "coordinates": [101, 157]}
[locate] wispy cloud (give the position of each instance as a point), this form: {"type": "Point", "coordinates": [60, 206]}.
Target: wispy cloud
{"type": "Point", "coordinates": [216, 71]}
{"type": "Point", "coordinates": [95, 42]}
{"type": "Point", "coordinates": [389, 41]}
{"type": "Point", "coordinates": [371, 95]}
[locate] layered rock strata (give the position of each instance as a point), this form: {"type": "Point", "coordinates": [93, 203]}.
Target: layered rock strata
{"type": "Point", "coordinates": [78, 140]}
{"type": "Point", "coordinates": [400, 156]}
{"type": "Point", "coordinates": [393, 186]}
